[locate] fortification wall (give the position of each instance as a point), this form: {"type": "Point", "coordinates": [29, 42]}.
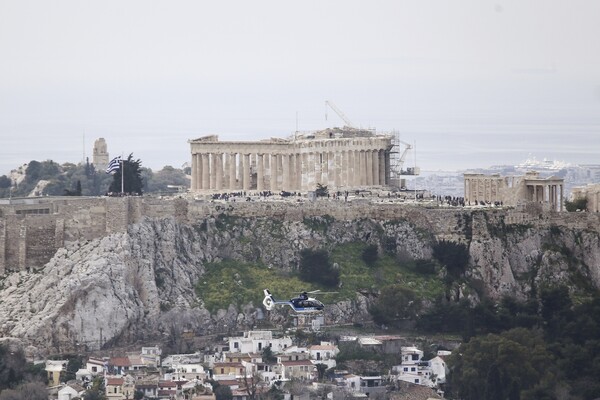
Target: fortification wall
{"type": "Point", "coordinates": [31, 231]}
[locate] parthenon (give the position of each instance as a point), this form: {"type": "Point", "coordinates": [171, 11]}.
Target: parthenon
{"type": "Point", "coordinates": [340, 159]}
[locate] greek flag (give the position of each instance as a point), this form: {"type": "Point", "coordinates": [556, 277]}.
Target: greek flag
{"type": "Point", "coordinates": [114, 165]}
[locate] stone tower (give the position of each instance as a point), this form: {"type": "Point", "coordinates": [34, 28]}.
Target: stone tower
{"type": "Point", "coordinates": [100, 159]}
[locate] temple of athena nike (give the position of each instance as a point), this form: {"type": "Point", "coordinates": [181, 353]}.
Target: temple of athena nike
{"type": "Point", "coordinates": [339, 158]}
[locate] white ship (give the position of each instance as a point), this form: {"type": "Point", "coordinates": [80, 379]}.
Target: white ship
{"type": "Point", "coordinates": [543, 165]}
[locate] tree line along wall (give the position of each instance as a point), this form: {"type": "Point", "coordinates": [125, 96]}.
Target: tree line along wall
{"type": "Point", "coordinates": [30, 233]}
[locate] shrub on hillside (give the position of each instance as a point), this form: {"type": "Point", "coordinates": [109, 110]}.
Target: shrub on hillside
{"type": "Point", "coordinates": [454, 256]}
{"type": "Point", "coordinates": [316, 267]}
{"type": "Point", "coordinates": [370, 255]}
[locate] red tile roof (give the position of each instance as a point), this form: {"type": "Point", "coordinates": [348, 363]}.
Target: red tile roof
{"type": "Point", "coordinates": [115, 381]}
{"type": "Point", "coordinates": [120, 362]}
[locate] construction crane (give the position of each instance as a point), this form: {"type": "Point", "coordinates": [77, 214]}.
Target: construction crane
{"type": "Point", "coordinates": [339, 112]}
{"type": "Point", "coordinates": [402, 157]}
{"type": "Point", "coordinates": [398, 161]}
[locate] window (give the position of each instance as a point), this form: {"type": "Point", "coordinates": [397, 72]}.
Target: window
{"type": "Point", "coordinates": [236, 345]}
{"type": "Point", "coordinates": [405, 369]}
{"type": "Point", "coordinates": [412, 369]}
{"type": "Point", "coordinates": [259, 346]}
{"type": "Point", "coordinates": [415, 357]}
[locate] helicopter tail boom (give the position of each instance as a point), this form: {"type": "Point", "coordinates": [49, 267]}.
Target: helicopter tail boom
{"type": "Point", "coordinates": [269, 301]}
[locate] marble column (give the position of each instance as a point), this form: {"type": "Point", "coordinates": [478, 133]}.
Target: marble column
{"type": "Point", "coordinates": [325, 168]}
{"type": "Point", "coordinates": [212, 167]}
{"type": "Point", "coordinates": [337, 168]}
{"type": "Point", "coordinates": [381, 158]}
{"type": "Point", "coordinates": [318, 160]}
{"type": "Point", "coordinates": [246, 177]}
{"type": "Point", "coordinates": [285, 167]}
{"type": "Point", "coordinates": [375, 155]}
{"type": "Point", "coordinates": [232, 171]}
{"type": "Point", "coordinates": [219, 171]}
{"type": "Point", "coordinates": [369, 167]}
{"type": "Point", "coordinates": [293, 176]}
{"type": "Point", "coordinates": [307, 177]}
{"type": "Point", "coordinates": [260, 173]}
{"type": "Point", "coordinates": [387, 167]}
{"type": "Point", "coordinates": [205, 172]}
{"type": "Point", "coordinates": [355, 168]}
{"type": "Point", "coordinates": [362, 170]}
{"type": "Point", "coordinates": [194, 173]}
{"type": "Point", "coordinates": [273, 171]}
{"type": "Point", "coordinates": [344, 169]}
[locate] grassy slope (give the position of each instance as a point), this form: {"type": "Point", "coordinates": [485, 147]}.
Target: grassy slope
{"type": "Point", "coordinates": [231, 282]}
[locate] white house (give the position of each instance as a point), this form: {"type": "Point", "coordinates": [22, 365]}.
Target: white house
{"type": "Point", "coordinates": [256, 341]}
{"type": "Point", "coordinates": [53, 370]}
{"type": "Point", "coordinates": [349, 381]}
{"type": "Point", "coordinates": [83, 375]}
{"type": "Point", "coordinates": [438, 369]}
{"type": "Point", "coordinates": [324, 353]}
{"type": "Point", "coordinates": [70, 391]}
{"type": "Point", "coordinates": [415, 370]}
{"type": "Point", "coordinates": [304, 370]}
{"type": "Point", "coordinates": [370, 385]}
{"type": "Point", "coordinates": [95, 365]}
{"type": "Point", "coordinates": [151, 356]}
{"type": "Point", "coordinates": [186, 372]}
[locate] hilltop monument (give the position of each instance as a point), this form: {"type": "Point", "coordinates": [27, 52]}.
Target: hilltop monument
{"type": "Point", "coordinates": [339, 158]}
{"type": "Point", "coordinates": [100, 157]}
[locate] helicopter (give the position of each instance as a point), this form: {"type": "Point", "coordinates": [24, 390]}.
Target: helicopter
{"type": "Point", "coordinates": [301, 304]}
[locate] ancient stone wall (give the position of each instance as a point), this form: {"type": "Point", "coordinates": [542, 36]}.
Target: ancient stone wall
{"type": "Point", "coordinates": [31, 233]}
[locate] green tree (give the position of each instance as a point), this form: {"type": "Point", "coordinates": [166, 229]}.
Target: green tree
{"type": "Point", "coordinates": [96, 392]}
{"type": "Point", "coordinates": [394, 303]}
{"type": "Point", "coordinates": [223, 392]}
{"type": "Point", "coordinates": [316, 267]}
{"type": "Point", "coordinates": [12, 367]}
{"type": "Point", "coordinates": [556, 309]}
{"type": "Point", "coordinates": [369, 255]}
{"type": "Point", "coordinates": [575, 205]}
{"type": "Point", "coordinates": [321, 369]}
{"type": "Point", "coordinates": [161, 180]}
{"type": "Point", "coordinates": [5, 182]}
{"type": "Point", "coordinates": [26, 391]}
{"type": "Point", "coordinates": [132, 180]}
{"type": "Point", "coordinates": [454, 256]}
{"type": "Point", "coordinates": [268, 356]}
{"type": "Point", "coordinates": [505, 366]}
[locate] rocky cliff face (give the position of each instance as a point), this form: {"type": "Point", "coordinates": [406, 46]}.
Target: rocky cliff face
{"type": "Point", "coordinates": [140, 284]}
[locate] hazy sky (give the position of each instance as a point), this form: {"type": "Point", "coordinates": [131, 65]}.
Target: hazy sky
{"type": "Point", "coordinates": [472, 83]}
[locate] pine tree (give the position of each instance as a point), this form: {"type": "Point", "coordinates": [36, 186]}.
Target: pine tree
{"type": "Point", "coordinates": [132, 177]}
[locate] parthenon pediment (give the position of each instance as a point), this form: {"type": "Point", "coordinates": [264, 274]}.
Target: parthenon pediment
{"type": "Point", "coordinates": [207, 138]}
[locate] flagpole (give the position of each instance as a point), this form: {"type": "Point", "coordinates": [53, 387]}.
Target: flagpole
{"type": "Point", "coordinates": [122, 177]}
